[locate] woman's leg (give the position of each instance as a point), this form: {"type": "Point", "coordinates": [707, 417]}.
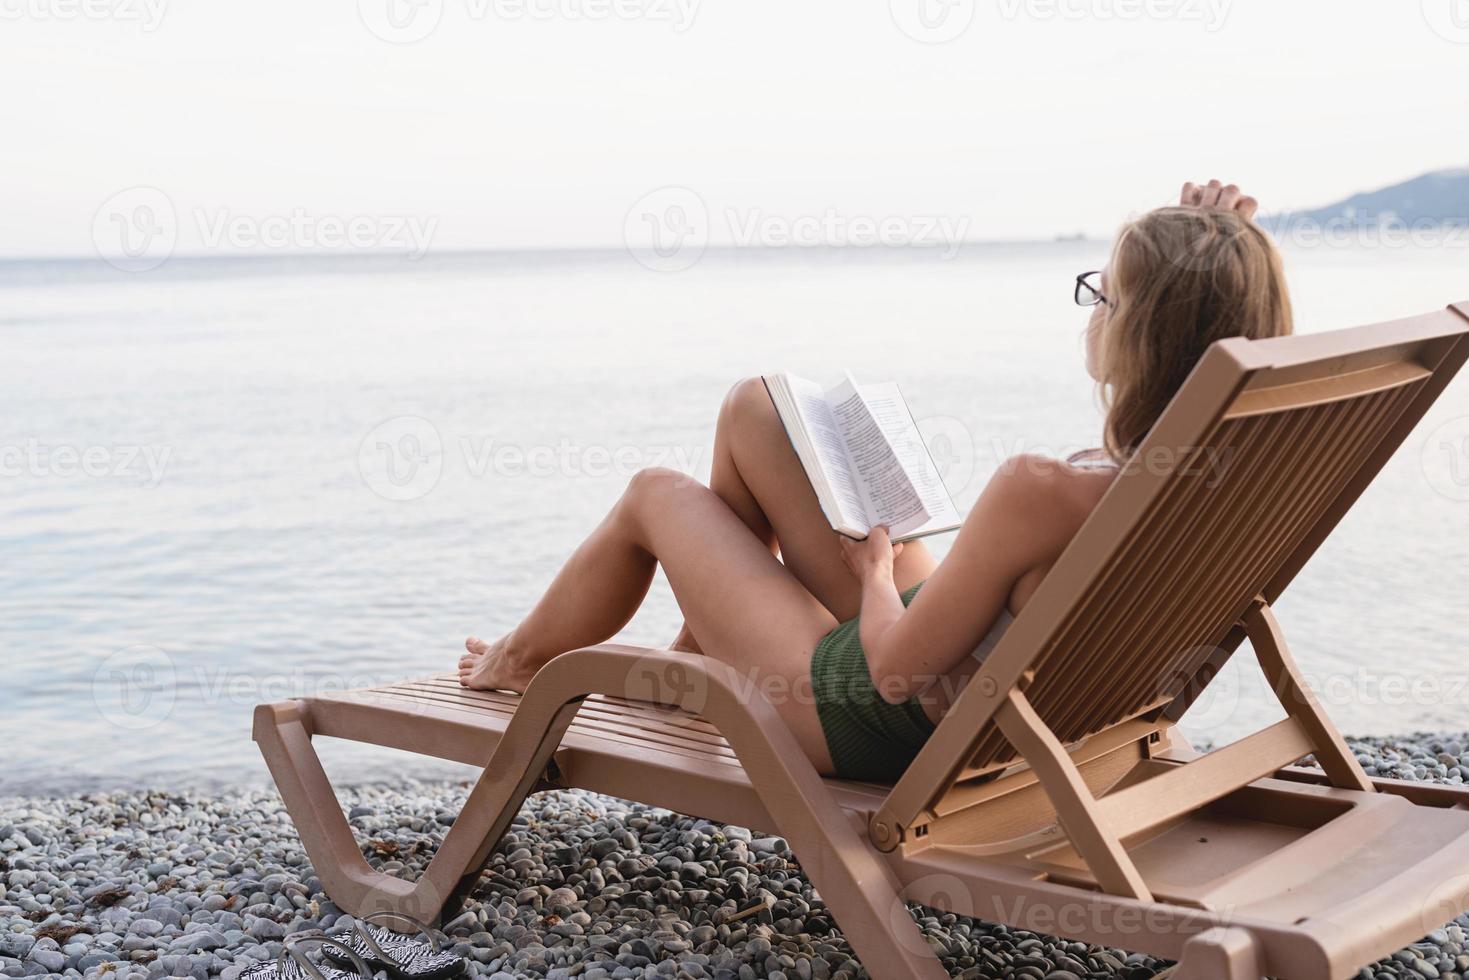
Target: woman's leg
{"type": "Point", "coordinates": [748, 610]}
{"type": "Point", "coordinates": [756, 472]}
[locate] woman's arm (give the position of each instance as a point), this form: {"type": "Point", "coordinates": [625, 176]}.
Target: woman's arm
{"type": "Point", "coordinates": [1021, 523]}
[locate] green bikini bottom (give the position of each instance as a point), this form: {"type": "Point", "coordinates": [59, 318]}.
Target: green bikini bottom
{"type": "Point", "coordinates": [868, 738]}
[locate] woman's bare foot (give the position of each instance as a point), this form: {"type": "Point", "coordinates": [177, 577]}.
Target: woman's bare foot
{"type": "Point", "coordinates": [491, 667]}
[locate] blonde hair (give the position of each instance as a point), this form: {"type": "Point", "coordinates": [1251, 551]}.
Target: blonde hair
{"type": "Point", "coordinates": [1180, 279]}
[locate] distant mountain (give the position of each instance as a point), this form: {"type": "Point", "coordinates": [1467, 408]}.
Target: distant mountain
{"type": "Point", "coordinates": [1440, 198]}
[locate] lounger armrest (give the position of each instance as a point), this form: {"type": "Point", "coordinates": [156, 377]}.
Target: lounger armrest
{"type": "Point", "coordinates": [1421, 793]}
{"type": "Point", "coordinates": [693, 682]}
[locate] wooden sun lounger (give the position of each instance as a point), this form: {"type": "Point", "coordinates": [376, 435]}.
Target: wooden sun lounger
{"type": "Point", "coordinates": [1056, 795]}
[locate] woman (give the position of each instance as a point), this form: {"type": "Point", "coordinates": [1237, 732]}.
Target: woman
{"type": "Point", "coordinates": [830, 622]}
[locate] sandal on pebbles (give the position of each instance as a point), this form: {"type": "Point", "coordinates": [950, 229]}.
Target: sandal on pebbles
{"type": "Point", "coordinates": [292, 963]}
{"type": "Point", "coordinates": [403, 957]}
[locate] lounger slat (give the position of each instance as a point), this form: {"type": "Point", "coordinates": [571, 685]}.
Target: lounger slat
{"type": "Point", "coordinates": [591, 727]}
{"type": "Point", "coordinates": [1099, 632]}
{"type": "Point", "coordinates": [1278, 529]}
{"type": "Point", "coordinates": [643, 714]}
{"type": "Point", "coordinates": [654, 718]}
{"type": "Point", "coordinates": [1237, 508]}
{"type": "Point", "coordinates": [1125, 634]}
{"type": "Point", "coordinates": [666, 712]}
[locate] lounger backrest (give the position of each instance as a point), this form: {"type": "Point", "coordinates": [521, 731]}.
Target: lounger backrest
{"type": "Point", "coordinates": [1255, 460]}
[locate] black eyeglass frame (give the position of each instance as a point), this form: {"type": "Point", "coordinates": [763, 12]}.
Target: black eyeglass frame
{"type": "Point", "coordinates": [1086, 294]}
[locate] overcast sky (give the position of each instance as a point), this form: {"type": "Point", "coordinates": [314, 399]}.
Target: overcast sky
{"type": "Point", "coordinates": [541, 123]}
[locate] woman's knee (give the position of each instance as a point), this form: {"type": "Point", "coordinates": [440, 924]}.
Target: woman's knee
{"type": "Point", "coordinates": [746, 404]}
{"type": "Point", "coordinates": [655, 482]}
{"type": "Point", "coordinates": [651, 492]}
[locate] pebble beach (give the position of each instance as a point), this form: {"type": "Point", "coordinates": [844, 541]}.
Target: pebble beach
{"type": "Point", "coordinates": [142, 885]}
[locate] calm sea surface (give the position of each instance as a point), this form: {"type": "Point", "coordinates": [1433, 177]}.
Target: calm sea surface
{"type": "Point", "coordinates": [230, 481]}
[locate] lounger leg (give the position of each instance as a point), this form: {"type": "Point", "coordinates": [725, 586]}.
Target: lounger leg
{"type": "Point", "coordinates": [854, 881]}
{"type": "Point", "coordinates": [1219, 954]}
{"type": "Point", "coordinates": [284, 735]}
{"type": "Point", "coordinates": [512, 774]}
{"type": "Point", "coordinates": [864, 898]}
{"type": "Point", "coordinates": [283, 732]}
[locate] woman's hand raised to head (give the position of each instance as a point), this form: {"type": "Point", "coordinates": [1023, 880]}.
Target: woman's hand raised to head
{"type": "Point", "coordinates": [1225, 197]}
{"type": "Point", "coordinates": [871, 557]}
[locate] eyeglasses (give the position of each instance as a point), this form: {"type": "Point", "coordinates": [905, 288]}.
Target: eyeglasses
{"type": "Point", "coordinates": [1089, 289]}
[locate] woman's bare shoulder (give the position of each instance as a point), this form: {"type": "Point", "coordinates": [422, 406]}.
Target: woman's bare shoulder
{"type": "Point", "coordinates": [1049, 491]}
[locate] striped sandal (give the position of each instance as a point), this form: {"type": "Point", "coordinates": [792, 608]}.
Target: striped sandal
{"type": "Point", "coordinates": [292, 963]}
{"type": "Point", "coordinates": [403, 957]}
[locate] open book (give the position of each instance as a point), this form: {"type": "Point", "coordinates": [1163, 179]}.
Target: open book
{"type": "Point", "coordinates": [864, 456]}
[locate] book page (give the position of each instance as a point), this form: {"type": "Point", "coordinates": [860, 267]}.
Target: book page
{"type": "Point", "coordinates": [821, 425]}
{"type": "Point", "coordinates": [890, 496]}
{"type": "Point", "coordinates": [893, 417]}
